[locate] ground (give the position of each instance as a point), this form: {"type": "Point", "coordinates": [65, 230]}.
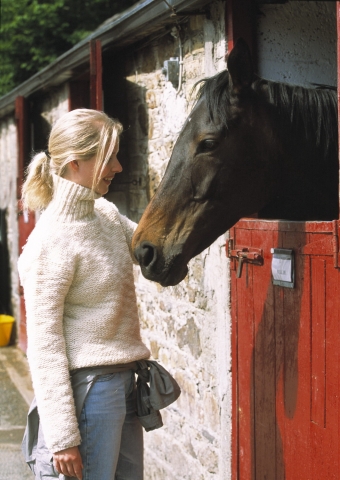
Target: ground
{"type": "Point", "coordinates": [15, 396]}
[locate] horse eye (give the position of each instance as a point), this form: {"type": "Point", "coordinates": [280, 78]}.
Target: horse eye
{"type": "Point", "coordinates": [207, 146]}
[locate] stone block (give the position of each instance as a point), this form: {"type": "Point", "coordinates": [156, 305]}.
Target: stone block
{"type": "Point", "coordinates": [189, 336]}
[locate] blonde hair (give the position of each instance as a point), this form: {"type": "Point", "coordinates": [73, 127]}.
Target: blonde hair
{"type": "Point", "coordinates": [78, 135]}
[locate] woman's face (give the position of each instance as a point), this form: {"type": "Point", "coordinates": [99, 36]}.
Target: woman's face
{"type": "Point", "coordinates": [85, 172]}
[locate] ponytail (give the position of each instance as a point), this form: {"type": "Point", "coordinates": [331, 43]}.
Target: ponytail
{"type": "Point", "coordinates": [37, 190]}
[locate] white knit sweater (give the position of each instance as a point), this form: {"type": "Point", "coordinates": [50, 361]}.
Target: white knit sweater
{"type": "Point", "coordinates": [77, 274]}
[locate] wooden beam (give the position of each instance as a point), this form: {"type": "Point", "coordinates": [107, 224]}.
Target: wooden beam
{"type": "Point", "coordinates": [96, 84]}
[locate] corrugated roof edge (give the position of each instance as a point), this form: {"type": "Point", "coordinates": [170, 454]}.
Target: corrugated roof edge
{"type": "Point", "coordinates": [120, 31]}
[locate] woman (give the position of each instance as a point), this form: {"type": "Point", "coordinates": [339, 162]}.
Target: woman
{"type": "Point", "coordinates": [76, 270]}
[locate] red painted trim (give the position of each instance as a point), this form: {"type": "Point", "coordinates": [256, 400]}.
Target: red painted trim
{"type": "Point", "coordinates": [338, 72]}
{"type": "Point", "coordinates": [229, 24]}
{"type": "Point", "coordinates": [234, 357]}
{"type": "Point", "coordinates": [25, 225]}
{"type": "Point", "coordinates": [96, 73]}
{"type": "Point", "coordinates": [239, 22]}
{"type": "Point", "coordinates": [338, 65]}
{"type": "Point", "coordinates": [22, 139]}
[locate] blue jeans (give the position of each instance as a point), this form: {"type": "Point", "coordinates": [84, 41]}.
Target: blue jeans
{"type": "Point", "coordinates": [112, 436]}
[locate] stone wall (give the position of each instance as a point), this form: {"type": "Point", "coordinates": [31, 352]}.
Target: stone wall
{"type": "Point", "coordinates": [55, 104]}
{"type": "Point", "coordinates": [187, 327]}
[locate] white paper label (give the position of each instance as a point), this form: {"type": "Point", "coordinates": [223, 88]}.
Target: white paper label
{"type": "Point", "coordinates": [282, 268]}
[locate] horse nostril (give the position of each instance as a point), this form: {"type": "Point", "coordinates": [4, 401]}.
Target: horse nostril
{"type": "Point", "coordinates": [146, 254]}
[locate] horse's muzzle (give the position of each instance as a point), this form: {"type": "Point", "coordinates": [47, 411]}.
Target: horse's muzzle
{"type": "Point", "coordinates": [155, 267]}
{"type": "Point", "coordinates": [146, 254]}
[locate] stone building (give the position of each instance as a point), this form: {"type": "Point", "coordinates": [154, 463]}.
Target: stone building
{"type": "Point", "coordinates": [120, 68]}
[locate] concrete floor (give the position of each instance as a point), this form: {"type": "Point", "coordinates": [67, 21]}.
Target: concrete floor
{"type": "Point", "coordinates": [16, 395]}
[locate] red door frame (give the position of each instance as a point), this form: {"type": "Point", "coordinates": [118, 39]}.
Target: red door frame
{"type": "Point", "coordinates": [338, 61]}
{"type": "Point", "coordinates": [87, 90]}
{"type": "Point", "coordinates": [25, 222]}
{"type": "Point", "coordinates": [239, 23]}
{"type": "Point", "coordinates": [96, 74]}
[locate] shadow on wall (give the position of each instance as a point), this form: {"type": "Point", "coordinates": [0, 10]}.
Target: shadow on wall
{"type": "Point", "coordinates": [5, 274]}
{"type": "Point", "coordinates": [274, 373]}
{"type": "Point", "coordinates": [5, 281]}
{"type": "Point", "coordinates": [126, 101]}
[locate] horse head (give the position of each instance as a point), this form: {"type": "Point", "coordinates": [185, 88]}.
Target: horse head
{"type": "Point", "coordinates": [225, 165]}
{"type": "Point", "coordinates": [219, 171]}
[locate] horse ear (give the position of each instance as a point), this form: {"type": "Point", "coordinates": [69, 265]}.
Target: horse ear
{"type": "Point", "coordinates": [240, 65]}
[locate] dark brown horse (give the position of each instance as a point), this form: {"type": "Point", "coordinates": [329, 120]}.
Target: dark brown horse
{"type": "Point", "coordinates": [249, 146]}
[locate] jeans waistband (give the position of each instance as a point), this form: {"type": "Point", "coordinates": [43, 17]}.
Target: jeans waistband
{"type": "Point", "coordinates": [106, 369]}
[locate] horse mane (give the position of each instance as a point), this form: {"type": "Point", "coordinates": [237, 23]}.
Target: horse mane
{"type": "Point", "coordinates": [311, 112]}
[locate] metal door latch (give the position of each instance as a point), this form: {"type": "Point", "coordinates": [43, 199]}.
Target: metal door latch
{"type": "Point", "coordinates": [242, 254]}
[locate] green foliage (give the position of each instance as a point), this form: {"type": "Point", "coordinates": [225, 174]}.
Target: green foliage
{"type": "Point", "coordinates": [33, 33]}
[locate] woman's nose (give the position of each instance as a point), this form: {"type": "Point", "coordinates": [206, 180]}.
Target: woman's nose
{"type": "Point", "coordinates": [117, 166]}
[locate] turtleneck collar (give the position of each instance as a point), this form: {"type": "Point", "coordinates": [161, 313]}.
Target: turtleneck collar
{"type": "Point", "coordinates": [71, 200]}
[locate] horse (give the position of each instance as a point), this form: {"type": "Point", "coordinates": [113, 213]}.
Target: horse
{"type": "Point", "coordinates": [249, 146]}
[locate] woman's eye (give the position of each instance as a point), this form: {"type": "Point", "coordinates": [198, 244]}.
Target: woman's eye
{"type": "Point", "coordinates": [207, 146]}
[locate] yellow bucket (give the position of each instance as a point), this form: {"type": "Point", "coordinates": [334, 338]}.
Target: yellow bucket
{"type": "Point", "coordinates": [6, 324]}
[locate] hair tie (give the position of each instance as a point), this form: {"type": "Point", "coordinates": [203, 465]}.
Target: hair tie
{"type": "Point", "coordinates": [47, 153]}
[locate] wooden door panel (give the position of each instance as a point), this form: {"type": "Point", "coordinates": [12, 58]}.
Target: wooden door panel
{"type": "Point", "coordinates": [264, 363]}
{"type": "Point", "coordinates": [295, 418]}
{"type": "Point", "coordinates": [286, 387]}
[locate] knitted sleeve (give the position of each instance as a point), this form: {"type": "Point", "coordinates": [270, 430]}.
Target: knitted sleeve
{"type": "Point", "coordinates": [129, 228]}
{"type": "Point", "coordinates": [46, 273]}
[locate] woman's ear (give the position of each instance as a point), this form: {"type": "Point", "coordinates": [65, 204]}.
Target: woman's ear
{"type": "Point", "coordinates": [74, 164]}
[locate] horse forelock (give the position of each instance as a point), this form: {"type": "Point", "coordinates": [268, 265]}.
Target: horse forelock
{"type": "Point", "coordinates": [216, 91]}
{"type": "Point", "coordinates": [311, 112]}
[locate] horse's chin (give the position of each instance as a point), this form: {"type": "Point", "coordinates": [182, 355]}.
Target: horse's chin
{"type": "Point", "coordinates": [166, 278]}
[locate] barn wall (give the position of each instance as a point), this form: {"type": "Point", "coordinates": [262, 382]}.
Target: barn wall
{"type": "Point", "coordinates": [55, 104]}
{"type": "Point", "coordinates": [297, 42]}
{"type": "Point", "coordinates": [187, 326]}
{"type": "Point", "coordinates": [8, 202]}
{"type": "Point", "coordinates": [46, 110]}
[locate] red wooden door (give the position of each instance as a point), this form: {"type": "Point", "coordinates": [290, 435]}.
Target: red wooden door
{"type": "Point", "coordinates": [286, 355]}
